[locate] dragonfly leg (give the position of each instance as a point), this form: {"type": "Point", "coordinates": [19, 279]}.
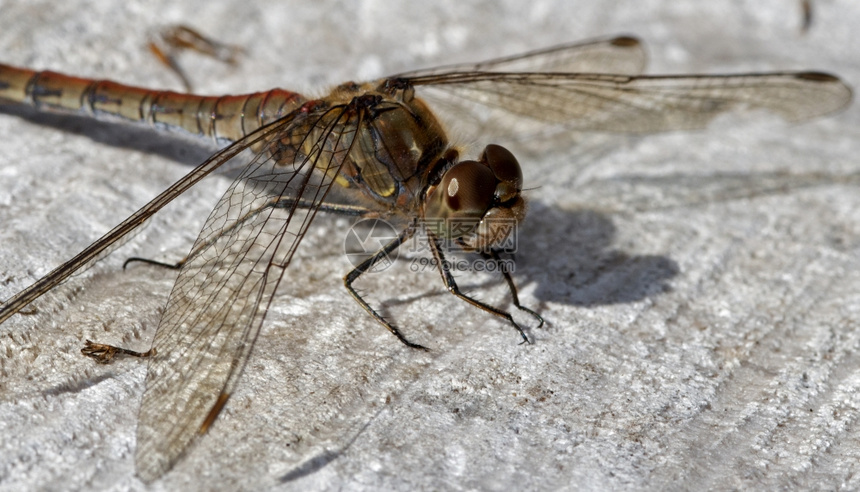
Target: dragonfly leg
{"type": "Point", "coordinates": [105, 353]}
{"type": "Point", "coordinates": [279, 202]}
{"type": "Point", "coordinates": [493, 256]}
{"type": "Point", "coordinates": [366, 265]}
{"type": "Point", "coordinates": [451, 285]}
{"type": "Point", "coordinates": [169, 42]}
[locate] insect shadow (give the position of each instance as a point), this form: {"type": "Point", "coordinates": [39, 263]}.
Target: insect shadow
{"type": "Point", "coordinates": [181, 148]}
{"type": "Point", "coordinates": [571, 253]}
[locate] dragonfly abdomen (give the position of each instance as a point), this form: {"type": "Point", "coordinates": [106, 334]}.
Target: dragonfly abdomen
{"type": "Point", "coordinates": [219, 117]}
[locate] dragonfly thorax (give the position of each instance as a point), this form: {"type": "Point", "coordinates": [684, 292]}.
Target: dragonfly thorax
{"type": "Point", "coordinates": [398, 141]}
{"type": "Point", "coordinates": [477, 203]}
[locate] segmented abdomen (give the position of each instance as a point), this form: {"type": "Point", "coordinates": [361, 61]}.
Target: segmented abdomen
{"type": "Point", "coordinates": [219, 117]}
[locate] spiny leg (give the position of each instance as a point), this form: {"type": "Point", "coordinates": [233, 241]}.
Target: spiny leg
{"type": "Point", "coordinates": [451, 285]}
{"type": "Point", "coordinates": [493, 256]}
{"type": "Point", "coordinates": [103, 353]}
{"type": "Point", "coordinates": [169, 42]}
{"type": "Point", "coordinates": [366, 265]}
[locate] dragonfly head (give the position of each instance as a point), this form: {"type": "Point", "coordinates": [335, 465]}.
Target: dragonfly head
{"type": "Point", "coordinates": [477, 203]}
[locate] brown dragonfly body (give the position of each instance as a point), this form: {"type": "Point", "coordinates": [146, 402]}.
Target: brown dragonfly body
{"type": "Point", "coordinates": [219, 117]}
{"type": "Point", "coordinates": [376, 149]}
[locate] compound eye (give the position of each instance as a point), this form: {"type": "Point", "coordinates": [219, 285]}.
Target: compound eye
{"type": "Point", "coordinates": [460, 200]}
{"type": "Point", "coordinates": [468, 189]}
{"type": "Point", "coordinates": [506, 169]}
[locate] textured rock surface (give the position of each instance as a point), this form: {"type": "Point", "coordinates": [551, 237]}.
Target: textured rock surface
{"type": "Point", "coordinates": [701, 290]}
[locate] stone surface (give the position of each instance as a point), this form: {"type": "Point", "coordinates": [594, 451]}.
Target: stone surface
{"type": "Point", "coordinates": [701, 289]}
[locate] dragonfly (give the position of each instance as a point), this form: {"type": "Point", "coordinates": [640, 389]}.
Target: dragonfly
{"type": "Point", "coordinates": [378, 149]}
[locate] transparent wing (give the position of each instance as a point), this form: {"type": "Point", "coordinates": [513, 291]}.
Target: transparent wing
{"type": "Point", "coordinates": [617, 55]}
{"type": "Point", "coordinates": [223, 291]}
{"type": "Point", "coordinates": [524, 103]}
{"type": "Point", "coordinates": [119, 234]}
